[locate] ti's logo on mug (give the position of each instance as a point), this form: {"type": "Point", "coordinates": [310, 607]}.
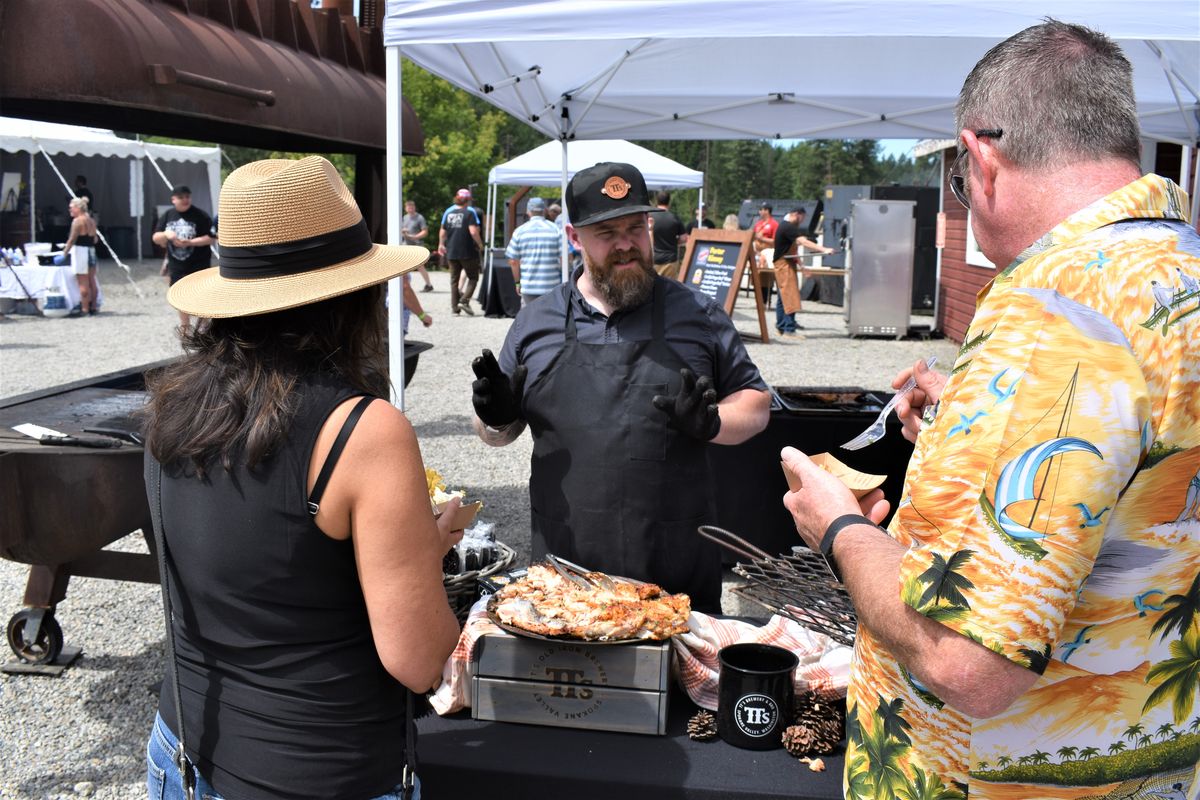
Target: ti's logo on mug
{"type": "Point", "coordinates": [756, 714]}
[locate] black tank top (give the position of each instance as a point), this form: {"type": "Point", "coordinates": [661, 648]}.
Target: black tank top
{"type": "Point", "coordinates": [283, 692]}
{"type": "Point", "coordinates": [85, 240]}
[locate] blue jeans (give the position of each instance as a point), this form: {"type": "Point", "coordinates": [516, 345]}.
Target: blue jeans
{"type": "Point", "coordinates": [164, 782]}
{"type": "Point", "coordinates": [784, 322]}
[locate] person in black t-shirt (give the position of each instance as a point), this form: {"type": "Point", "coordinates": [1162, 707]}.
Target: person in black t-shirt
{"type": "Point", "coordinates": [187, 234]}
{"type": "Point", "coordinates": [459, 240]}
{"type": "Point", "coordinates": [81, 190]}
{"type": "Point", "coordinates": [704, 221]}
{"type": "Point", "coordinates": [666, 231]}
{"type": "Point", "coordinates": [790, 234]}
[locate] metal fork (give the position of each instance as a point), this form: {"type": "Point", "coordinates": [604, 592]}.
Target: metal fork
{"type": "Point", "coordinates": [878, 428]}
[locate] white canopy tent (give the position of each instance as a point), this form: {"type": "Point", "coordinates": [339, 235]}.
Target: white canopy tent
{"type": "Point", "coordinates": [714, 69]}
{"type": "Point", "coordinates": [113, 166]}
{"type": "Point", "coordinates": [544, 166]}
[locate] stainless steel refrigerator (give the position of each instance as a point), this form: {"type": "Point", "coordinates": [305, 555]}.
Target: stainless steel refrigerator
{"type": "Point", "coordinates": [880, 267]}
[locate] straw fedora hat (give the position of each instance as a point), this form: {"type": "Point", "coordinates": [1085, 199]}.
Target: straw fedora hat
{"type": "Point", "coordinates": [291, 234]}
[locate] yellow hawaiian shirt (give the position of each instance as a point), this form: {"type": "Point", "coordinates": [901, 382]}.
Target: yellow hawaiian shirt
{"type": "Point", "coordinates": [1051, 512]}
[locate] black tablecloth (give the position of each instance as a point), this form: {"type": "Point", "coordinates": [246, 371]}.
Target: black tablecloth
{"type": "Point", "coordinates": [461, 757]}
{"type": "Point", "coordinates": [497, 290]}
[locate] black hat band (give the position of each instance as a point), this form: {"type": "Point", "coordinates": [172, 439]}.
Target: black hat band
{"type": "Point", "coordinates": [290, 258]}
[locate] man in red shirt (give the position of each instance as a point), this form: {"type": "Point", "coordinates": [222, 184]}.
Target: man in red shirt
{"type": "Point", "coordinates": [764, 239]}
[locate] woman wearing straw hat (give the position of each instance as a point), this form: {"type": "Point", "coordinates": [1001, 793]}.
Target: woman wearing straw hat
{"type": "Point", "coordinates": [303, 599]}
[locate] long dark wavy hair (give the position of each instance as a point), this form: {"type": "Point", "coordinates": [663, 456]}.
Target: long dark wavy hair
{"type": "Point", "coordinates": [230, 400]}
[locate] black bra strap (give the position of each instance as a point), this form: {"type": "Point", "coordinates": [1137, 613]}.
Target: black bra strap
{"type": "Point", "coordinates": [314, 499]}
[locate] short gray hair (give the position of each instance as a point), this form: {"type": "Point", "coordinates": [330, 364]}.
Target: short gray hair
{"type": "Point", "coordinates": [1061, 93]}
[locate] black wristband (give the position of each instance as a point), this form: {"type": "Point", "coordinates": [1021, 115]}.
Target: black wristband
{"type": "Point", "coordinates": [835, 527]}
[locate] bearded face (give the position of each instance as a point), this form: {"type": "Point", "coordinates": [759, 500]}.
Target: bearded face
{"type": "Point", "coordinates": [617, 255]}
{"type": "Point", "coordinates": [622, 287]}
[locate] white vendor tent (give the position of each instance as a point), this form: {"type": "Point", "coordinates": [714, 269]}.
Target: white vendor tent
{"type": "Point", "coordinates": [115, 169]}
{"type": "Point", "coordinates": [543, 166]}
{"type": "Point", "coordinates": [716, 69]}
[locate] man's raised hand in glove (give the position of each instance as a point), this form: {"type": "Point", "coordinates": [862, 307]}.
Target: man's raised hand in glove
{"type": "Point", "coordinates": [496, 397]}
{"type": "Point", "coordinates": [694, 410]}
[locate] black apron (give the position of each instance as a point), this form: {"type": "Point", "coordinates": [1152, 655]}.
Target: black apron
{"type": "Point", "coordinates": [613, 487]}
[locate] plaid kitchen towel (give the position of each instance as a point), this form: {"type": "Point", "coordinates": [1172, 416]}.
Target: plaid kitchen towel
{"type": "Point", "coordinates": [824, 665]}
{"type": "Point", "coordinates": [454, 692]}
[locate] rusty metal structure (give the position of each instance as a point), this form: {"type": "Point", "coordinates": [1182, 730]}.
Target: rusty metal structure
{"type": "Point", "coordinates": [271, 74]}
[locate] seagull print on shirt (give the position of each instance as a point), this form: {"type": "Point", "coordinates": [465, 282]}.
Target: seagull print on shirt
{"type": "Point", "coordinates": [965, 423]}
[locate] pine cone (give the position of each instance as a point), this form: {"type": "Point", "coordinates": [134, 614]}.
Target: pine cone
{"type": "Point", "coordinates": [798, 740]}
{"type": "Point", "coordinates": [702, 726]}
{"type": "Point", "coordinates": [802, 740]}
{"type": "Point", "coordinates": [828, 734]}
{"type": "Point", "coordinates": [819, 714]}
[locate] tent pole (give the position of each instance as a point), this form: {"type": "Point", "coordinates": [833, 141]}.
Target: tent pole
{"type": "Point", "coordinates": [99, 235]}
{"type": "Point", "coordinates": [394, 183]}
{"type": "Point", "coordinates": [1195, 166]}
{"type": "Point", "coordinates": [937, 267]}
{"type": "Point", "coordinates": [566, 264]}
{"type": "Point", "coordinates": [141, 206]}
{"type": "Point", "coordinates": [32, 196]}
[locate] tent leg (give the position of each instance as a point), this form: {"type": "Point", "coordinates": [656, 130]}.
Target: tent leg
{"type": "Point", "coordinates": [32, 196]}
{"type": "Point", "coordinates": [566, 258]}
{"type": "Point", "coordinates": [395, 291]}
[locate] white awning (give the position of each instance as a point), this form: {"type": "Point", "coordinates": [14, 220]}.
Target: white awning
{"type": "Point", "coordinates": [716, 69]}
{"type": "Point", "coordinates": [543, 166]}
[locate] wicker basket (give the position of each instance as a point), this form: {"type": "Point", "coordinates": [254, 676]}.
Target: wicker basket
{"type": "Point", "coordinates": [462, 590]}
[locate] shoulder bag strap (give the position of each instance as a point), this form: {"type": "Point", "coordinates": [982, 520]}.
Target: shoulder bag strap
{"type": "Point", "coordinates": [160, 541]}
{"type": "Point", "coordinates": [314, 499]}
{"type": "Point", "coordinates": [409, 781]}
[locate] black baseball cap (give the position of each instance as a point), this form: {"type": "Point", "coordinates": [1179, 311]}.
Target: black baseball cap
{"type": "Point", "coordinates": [606, 191]}
{"type": "Point", "coordinates": [180, 191]}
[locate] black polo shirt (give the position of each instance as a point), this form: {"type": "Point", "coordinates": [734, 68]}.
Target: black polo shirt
{"type": "Point", "coordinates": [696, 328]}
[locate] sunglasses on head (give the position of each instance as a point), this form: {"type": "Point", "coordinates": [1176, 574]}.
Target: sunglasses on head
{"type": "Point", "coordinates": [958, 170]}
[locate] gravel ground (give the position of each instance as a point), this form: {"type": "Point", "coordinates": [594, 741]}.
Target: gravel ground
{"type": "Point", "coordinates": [83, 734]}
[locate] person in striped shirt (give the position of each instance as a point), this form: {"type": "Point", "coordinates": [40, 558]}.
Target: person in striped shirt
{"type": "Point", "coordinates": [535, 253]}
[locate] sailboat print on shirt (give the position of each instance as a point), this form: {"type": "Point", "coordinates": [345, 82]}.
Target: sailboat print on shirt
{"type": "Point", "coordinates": [1019, 482]}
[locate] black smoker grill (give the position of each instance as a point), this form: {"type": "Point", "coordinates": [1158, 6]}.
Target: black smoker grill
{"type": "Point", "coordinates": [60, 506]}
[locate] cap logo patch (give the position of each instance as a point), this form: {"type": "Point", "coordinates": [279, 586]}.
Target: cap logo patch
{"type": "Point", "coordinates": [616, 187]}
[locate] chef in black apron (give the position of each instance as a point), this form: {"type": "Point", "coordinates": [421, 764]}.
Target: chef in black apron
{"type": "Point", "coordinates": [623, 378]}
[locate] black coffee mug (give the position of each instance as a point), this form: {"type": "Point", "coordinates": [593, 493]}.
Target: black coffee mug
{"type": "Point", "coordinates": [755, 694]}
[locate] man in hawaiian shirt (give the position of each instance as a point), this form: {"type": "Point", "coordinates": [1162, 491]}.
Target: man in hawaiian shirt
{"type": "Point", "coordinates": [1029, 624]}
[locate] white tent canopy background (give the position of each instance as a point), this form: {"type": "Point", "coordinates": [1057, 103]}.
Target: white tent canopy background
{"type": "Point", "coordinates": [714, 69]}
{"type": "Point", "coordinates": [542, 166]}
{"type": "Point", "coordinates": [751, 69]}
{"type": "Point", "coordinates": [545, 166]}
{"type": "Point", "coordinates": [108, 162]}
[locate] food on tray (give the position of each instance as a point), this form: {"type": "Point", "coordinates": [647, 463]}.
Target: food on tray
{"type": "Point", "coordinates": [596, 608]}
{"type": "Point", "coordinates": [861, 483]}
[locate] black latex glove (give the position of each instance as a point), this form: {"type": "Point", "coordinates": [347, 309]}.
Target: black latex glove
{"type": "Point", "coordinates": [694, 410]}
{"type": "Point", "coordinates": [497, 398]}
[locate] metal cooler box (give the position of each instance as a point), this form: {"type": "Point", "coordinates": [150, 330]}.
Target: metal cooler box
{"type": "Point", "coordinates": [879, 280]}
{"type": "Point", "coordinates": [607, 687]}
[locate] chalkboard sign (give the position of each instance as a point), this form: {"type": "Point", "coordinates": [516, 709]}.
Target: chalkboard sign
{"type": "Point", "coordinates": [714, 264]}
